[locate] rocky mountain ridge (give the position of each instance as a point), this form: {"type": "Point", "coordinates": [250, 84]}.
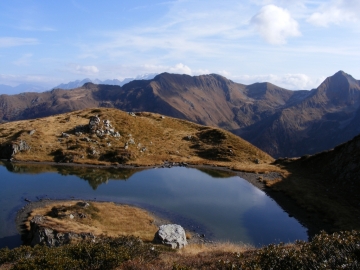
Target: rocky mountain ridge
{"type": "Point", "coordinates": [279, 121]}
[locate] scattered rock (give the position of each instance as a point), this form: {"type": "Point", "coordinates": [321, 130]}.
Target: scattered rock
{"type": "Point", "coordinates": [172, 235]}
{"type": "Point", "coordinates": [83, 204]}
{"type": "Point", "coordinates": [131, 141]}
{"type": "Point", "coordinates": [65, 135]}
{"type": "Point", "coordinates": [31, 132]}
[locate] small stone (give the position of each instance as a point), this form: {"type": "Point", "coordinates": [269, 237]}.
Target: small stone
{"type": "Point", "coordinates": [65, 135]}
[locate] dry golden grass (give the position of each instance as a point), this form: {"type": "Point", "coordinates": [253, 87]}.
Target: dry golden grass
{"type": "Point", "coordinates": [105, 218]}
{"type": "Point", "coordinates": [165, 139]}
{"type": "Point", "coordinates": [226, 247]}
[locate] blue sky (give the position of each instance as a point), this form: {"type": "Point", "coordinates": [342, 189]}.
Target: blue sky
{"type": "Point", "coordinates": [292, 43]}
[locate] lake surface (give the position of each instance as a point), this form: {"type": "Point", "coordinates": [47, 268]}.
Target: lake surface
{"type": "Point", "coordinates": [221, 206]}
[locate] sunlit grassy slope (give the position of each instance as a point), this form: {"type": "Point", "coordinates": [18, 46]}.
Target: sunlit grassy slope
{"type": "Point", "coordinates": [157, 139]}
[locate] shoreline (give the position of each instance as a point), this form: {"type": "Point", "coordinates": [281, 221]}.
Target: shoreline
{"type": "Point", "coordinates": [310, 221]}
{"type": "Point", "coordinates": [158, 219]}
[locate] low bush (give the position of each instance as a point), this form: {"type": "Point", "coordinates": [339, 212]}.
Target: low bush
{"type": "Point", "coordinates": [107, 254]}
{"type": "Point", "coordinates": [337, 251]}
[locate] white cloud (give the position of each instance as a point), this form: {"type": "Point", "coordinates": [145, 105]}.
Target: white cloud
{"type": "Point", "coordinates": [337, 12]}
{"type": "Point", "coordinates": [224, 73]}
{"type": "Point", "coordinates": [86, 70]}
{"type": "Point", "coordinates": [188, 29]}
{"type": "Point", "coordinates": [181, 69]}
{"type": "Point", "coordinates": [14, 41]}
{"type": "Point", "coordinates": [296, 81]}
{"type": "Point", "coordinates": [275, 24]}
{"type": "Point", "coordinates": [133, 71]}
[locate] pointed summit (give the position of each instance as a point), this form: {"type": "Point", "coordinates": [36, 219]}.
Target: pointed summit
{"type": "Point", "coordinates": [341, 88]}
{"type": "Point", "coordinates": [343, 77]}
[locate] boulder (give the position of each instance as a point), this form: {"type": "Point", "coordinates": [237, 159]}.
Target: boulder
{"type": "Point", "coordinates": [171, 235]}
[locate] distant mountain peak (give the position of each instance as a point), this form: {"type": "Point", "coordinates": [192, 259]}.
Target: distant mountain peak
{"type": "Point", "coordinates": [341, 75]}
{"type": "Point", "coordinates": [80, 83]}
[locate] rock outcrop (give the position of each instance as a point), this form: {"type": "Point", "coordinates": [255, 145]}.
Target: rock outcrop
{"type": "Point", "coordinates": [171, 235]}
{"type": "Point", "coordinates": [8, 150]}
{"type": "Point", "coordinates": [42, 235]}
{"type": "Point", "coordinates": [101, 128]}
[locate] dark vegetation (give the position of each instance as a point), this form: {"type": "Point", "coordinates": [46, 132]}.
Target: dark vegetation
{"type": "Point", "coordinates": [107, 254]}
{"type": "Point", "coordinates": [337, 251]}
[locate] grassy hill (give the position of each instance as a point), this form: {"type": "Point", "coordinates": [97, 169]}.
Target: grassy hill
{"type": "Point", "coordinates": [145, 139]}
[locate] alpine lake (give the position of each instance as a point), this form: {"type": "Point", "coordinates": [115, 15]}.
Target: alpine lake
{"type": "Point", "coordinates": [217, 204]}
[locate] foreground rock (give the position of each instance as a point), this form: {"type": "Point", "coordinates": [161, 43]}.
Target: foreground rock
{"type": "Point", "coordinates": [41, 235]}
{"type": "Point", "coordinates": [172, 235]}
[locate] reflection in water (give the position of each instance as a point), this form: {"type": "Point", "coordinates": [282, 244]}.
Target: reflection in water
{"type": "Point", "coordinates": [217, 173]}
{"type": "Point", "coordinates": [230, 209]}
{"type": "Point", "coordinates": [93, 175]}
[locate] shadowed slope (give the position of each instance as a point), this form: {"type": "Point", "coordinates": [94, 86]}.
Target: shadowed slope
{"type": "Point", "coordinates": [327, 185]}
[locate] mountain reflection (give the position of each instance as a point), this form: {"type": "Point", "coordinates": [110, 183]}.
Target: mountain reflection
{"type": "Point", "coordinates": [94, 176]}
{"type": "Point", "coordinates": [216, 173]}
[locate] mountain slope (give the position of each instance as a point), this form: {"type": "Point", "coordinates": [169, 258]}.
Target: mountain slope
{"type": "Point", "coordinates": [104, 136]}
{"type": "Point", "coordinates": [279, 121]}
{"type": "Point", "coordinates": [325, 118]}
{"type": "Point", "coordinates": [326, 184]}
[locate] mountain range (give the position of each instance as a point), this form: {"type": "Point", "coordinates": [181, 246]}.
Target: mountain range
{"type": "Point", "coordinates": [79, 83]}
{"type": "Point", "coordinates": [22, 88]}
{"type": "Point", "coordinates": [279, 121]}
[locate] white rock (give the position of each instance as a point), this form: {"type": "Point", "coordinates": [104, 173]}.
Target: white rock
{"type": "Point", "coordinates": [172, 235]}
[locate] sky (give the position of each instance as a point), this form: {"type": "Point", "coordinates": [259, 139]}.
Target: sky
{"type": "Point", "coordinates": [294, 44]}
